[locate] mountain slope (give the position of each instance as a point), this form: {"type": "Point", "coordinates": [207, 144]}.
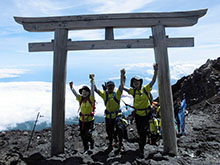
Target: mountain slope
{"type": "Point", "coordinates": [201, 85]}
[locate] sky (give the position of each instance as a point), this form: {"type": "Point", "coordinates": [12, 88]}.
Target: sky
{"type": "Point", "coordinates": [26, 78]}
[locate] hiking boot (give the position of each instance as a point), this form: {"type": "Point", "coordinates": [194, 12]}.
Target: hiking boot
{"type": "Point", "coordinates": [109, 148]}
{"type": "Point", "coordinates": [120, 145]}
{"type": "Point", "coordinates": [141, 154]}
{"type": "Point", "coordinates": [115, 145]}
{"type": "Point", "coordinates": [121, 148]}
{"type": "Point", "coordinates": [91, 144]}
{"type": "Point", "coordinates": [86, 148]}
{"type": "Point", "coordinates": [86, 151]}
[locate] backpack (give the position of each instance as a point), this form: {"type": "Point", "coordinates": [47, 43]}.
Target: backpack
{"type": "Point", "coordinates": [149, 97]}
{"type": "Point", "coordinates": [114, 97]}
{"type": "Point", "coordinates": [83, 115]}
{"type": "Point", "coordinates": [90, 102]}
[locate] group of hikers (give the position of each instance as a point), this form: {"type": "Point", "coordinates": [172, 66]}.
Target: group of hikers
{"type": "Point", "coordinates": [115, 122]}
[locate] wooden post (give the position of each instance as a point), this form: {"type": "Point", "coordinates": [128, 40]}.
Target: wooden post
{"type": "Point", "coordinates": [58, 93]}
{"type": "Point", "coordinates": [165, 94]}
{"type": "Point", "coordinates": [109, 33]}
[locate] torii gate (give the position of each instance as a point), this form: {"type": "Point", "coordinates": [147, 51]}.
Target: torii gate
{"type": "Point", "coordinates": [159, 41]}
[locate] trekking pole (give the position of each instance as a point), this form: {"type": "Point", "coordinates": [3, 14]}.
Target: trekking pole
{"type": "Point", "coordinates": [33, 131]}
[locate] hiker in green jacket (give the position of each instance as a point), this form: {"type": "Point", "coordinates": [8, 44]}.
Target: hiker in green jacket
{"type": "Point", "coordinates": [141, 105]}
{"type": "Point", "coordinates": [112, 103]}
{"type": "Point", "coordinates": [87, 106]}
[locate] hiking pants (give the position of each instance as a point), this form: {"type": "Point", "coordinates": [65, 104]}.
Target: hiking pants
{"type": "Point", "coordinates": [177, 121]}
{"type": "Point", "coordinates": [142, 124]}
{"type": "Point", "coordinates": [110, 129]}
{"type": "Point", "coordinates": [176, 112]}
{"type": "Point", "coordinates": [86, 133]}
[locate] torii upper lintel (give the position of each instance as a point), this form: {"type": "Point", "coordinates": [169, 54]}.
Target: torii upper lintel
{"type": "Point", "coordinates": [125, 20]}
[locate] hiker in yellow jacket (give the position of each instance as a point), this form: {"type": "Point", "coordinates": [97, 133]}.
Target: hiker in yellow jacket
{"type": "Point", "coordinates": [112, 103]}
{"type": "Point", "coordinates": [86, 121]}
{"type": "Point", "coordinates": [141, 104]}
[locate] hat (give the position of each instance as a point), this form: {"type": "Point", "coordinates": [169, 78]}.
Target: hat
{"type": "Point", "coordinates": [84, 88]}
{"type": "Point", "coordinates": [109, 83]}
{"type": "Point", "coordinates": [137, 79]}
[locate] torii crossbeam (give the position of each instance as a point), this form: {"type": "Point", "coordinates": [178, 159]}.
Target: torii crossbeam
{"type": "Point", "coordinates": [159, 41]}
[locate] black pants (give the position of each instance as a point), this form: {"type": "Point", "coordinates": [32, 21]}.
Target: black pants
{"type": "Point", "coordinates": [142, 124]}
{"type": "Point", "coordinates": [86, 133]}
{"type": "Point", "coordinates": [110, 129]}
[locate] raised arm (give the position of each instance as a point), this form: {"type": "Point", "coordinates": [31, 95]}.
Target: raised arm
{"type": "Point", "coordinates": [154, 76]}
{"type": "Point", "coordinates": [94, 85]}
{"type": "Point", "coordinates": [72, 89]}
{"type": "Point", "coordinates": [122, 80]}
{"type": "Point", "coordinates": [91, 76]}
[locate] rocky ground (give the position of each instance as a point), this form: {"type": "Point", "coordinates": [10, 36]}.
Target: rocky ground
{"type": "Point", "coordinates": [200, 145]}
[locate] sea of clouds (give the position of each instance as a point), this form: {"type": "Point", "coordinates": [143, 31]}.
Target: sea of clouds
{"type": "Point", "coordinates": [21, 101]}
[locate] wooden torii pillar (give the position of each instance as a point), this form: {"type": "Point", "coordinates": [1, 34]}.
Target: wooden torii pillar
{"type": "Point", "coordinates": [159, 41]}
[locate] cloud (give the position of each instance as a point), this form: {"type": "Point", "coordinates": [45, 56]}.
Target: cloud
{"type": "Point", "coordinates": [132, 33]}
{"type": "Point", "coordinates": [9, 73]}
{"type": "Point", "coordinates": [115, 78]}
{"type": "Point", "coordinates": [148, 79]}
{"type": "Point", "coordinates": [86, 35]}
{"type": "Point", "coordinates": [118, 34]}
{"type": "Point", "coordinates": [135, 65]}
{"type": "Point", "coordinates": [21, 101]}
{"type": "Point", "coordinates": [119, 6]}
{"type": "Point", "coordinates": [177, 69]}
{"type": "Point", "coordinates": [36, 8]}
{"type": "Point", "coordinates": [154, 91]}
